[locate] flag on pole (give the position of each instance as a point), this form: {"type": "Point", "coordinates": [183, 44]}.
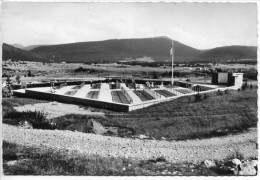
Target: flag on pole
{"type": "Point", "coordinates": [171, 51]}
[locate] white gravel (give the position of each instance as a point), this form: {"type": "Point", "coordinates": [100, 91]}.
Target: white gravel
{"type": "Point", "coordinates": [176, 151]}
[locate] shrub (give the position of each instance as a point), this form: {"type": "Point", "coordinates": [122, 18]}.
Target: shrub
{"type": "Point", "coordinates": [7, 106]}
{"type": "Point", "coordinates": [18, 79]}
{"type": "Point", "coordinates": [155, 76]}
{"type": "Point", "coordinates": [29, 73]}
{"type": "Point", "coordinates": [9, 152]}
{"type": "Point", "coordinates": [197, 97]}
{"type": "Point", "coordinates": [5, 75]}
{"type": "Point", "coordinates": [219, 93]}
{"type": "Point", "coordinates": [36, 118]}
{"type": "Point", "coordinates": [81, 69]}
{"type": "Point", "coordinates": [12, 118]}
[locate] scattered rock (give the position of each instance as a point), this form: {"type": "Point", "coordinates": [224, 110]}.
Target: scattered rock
{"type": "Point", "coordinates": [247, 169]}
{"type": "Point", "coordinates": [112, 131]}
{"type": "Point", "coordinates": [97, 127]}
{"type": "Point", "coordinates": [236, 162]}
{"type": "Point", "coordinates": [254, 163]}
{"type": "Point", "coordinates": [236, 167]}
{"type": "Point", "coordinates": [209, 163]}
{"type": "Point", "coordinates": [26, 125]}
{"type": "Point", "coordinates": [141, 136]}
{"type": "Point", "coordinates": [124, 131]}
{"type": "Point", "coordinates": [159, 163]}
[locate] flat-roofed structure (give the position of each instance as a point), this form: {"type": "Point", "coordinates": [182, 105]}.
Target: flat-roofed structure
{"type": "Point", "coordinates": [228, 79]}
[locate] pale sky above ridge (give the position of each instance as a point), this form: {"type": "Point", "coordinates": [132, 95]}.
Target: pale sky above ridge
{"type": "Point", "coordinates": [199, 25]}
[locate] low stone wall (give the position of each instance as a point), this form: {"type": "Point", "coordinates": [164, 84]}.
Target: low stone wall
{"type": "Point", "coordinates": [76, 100]}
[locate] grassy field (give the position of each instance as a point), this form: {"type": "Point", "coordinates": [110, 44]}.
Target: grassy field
{"type": "Point", "coordinates": [46, 72]}
{"type": "Point", "coordinates": [237, 66]}
{"type": "Point", "coordinates": [20, 160]}
{"type": "Point", "coordinates": [181, 119]}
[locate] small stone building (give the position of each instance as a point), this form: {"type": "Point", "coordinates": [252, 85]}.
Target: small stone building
{"type": "Point", "coordinates": [227, 78]}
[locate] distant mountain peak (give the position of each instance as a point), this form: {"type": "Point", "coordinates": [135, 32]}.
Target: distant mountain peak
{"type": "Point", "coordinates": [20, 46]}
{"type": "Point", "coordinates": [164, 37]}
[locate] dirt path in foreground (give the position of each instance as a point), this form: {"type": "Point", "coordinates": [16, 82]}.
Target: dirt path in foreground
{"type": "Point", "coordinates": [176, 151]}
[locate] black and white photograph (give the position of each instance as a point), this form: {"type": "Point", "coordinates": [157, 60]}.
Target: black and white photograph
{"type": "Point", "coordinates": [129, 89]}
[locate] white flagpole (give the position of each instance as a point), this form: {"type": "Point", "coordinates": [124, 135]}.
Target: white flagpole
{"type": "Point", "coordinates": [172, 61]}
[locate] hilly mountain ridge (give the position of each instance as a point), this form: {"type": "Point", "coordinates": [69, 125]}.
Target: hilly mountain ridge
{"type": "Point", "coordinates": [114, 50]}
{"type": "Point", "coordinates": [16, 45]}
{"type": "Point", "coordinates": [231, 52]}
{"type": "Point", "coordinates": [16, 54]}
{"type": "Point", "coordinates": [26, 48]}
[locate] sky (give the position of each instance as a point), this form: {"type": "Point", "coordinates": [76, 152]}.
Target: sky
{"type": "Point", "coordinates": [199, 25]}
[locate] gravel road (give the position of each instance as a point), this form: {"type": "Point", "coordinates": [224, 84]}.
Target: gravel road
{"type": "Point", "coordinates": [194, 151]}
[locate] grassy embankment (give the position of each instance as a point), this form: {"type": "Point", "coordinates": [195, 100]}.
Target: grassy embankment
{"type": "Point", "coordinates": [181, 119]}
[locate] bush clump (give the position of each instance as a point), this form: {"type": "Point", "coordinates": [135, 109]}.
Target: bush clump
{"type": "Point", "coordinates": [81, 69]}
{"type": "Point", "coordinates": [37, 119]}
